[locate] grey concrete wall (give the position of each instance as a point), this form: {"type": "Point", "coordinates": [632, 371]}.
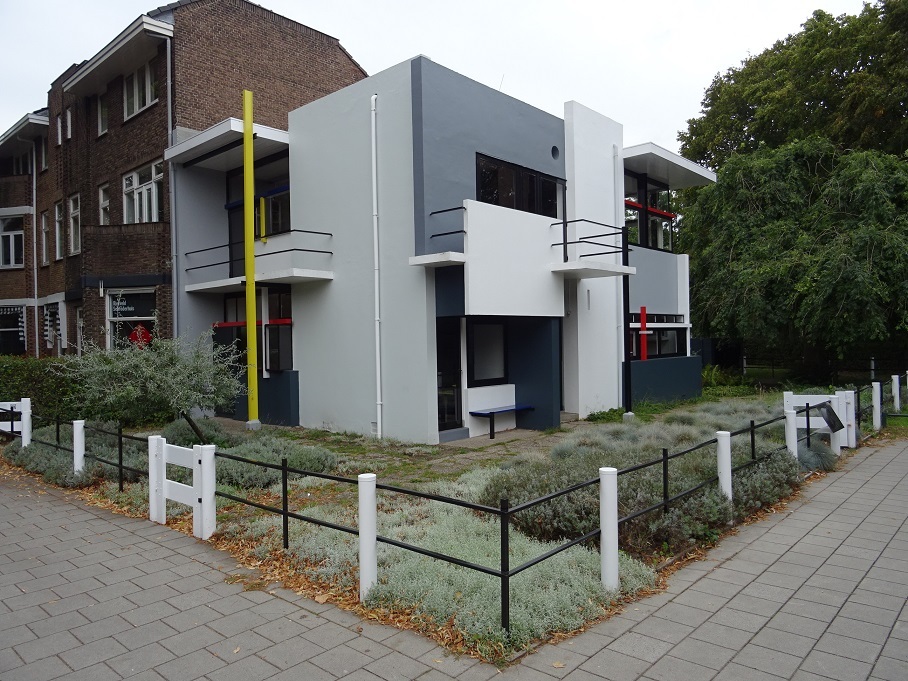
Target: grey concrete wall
{"type": "Point", "coordinates": [334, 348]}
{"type": "Point", "coordinates": [666, 379]}
{"type": "Point", "coordinates": [201, 222]}
{"type": "Point", "coordinates": [454, 118]}
{"type": "Point", "coordinates": [656, 283]}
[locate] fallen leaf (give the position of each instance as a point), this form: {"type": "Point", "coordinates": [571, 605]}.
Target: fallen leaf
{"type": "Point", "coordinates": [236, 650]}
{"type": "Point", "coordinates": [321, 598]}
{"type": "Point", "coordinates": [558, 665]}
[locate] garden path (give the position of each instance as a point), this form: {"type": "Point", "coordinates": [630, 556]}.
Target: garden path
{"type": "Point", "coordinates": [817, 591]}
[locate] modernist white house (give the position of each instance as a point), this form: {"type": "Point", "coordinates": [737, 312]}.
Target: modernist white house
{"type": "Point", "coordinates": [413, 267]}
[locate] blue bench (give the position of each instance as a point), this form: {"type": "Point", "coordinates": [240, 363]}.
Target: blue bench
{"type": "Point", "coordinates": [491, 411]}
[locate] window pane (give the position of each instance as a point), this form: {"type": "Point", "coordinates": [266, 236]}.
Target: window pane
{"type": "Point", "coordinates": [632, 223]}
{"type": "Point", "coordinates": [129, 209]}
{"type": "Point", "coordinates": [129, 85]}
{"type": "Point", "coordinates": [144, 175]}
{"type": "Point", "coordinates": [17, 249]}
{"type": "Point", "coordinates": [668, 344]}
{"type": "Point", "coordinates": [488, 352]}
{"type": "Point", "coordinates": [548, 198]}
{"type": "Point", "coordinates": [528, 192]}
{"type": "Point", "coordinates": [497, 183]}
{"type": "Point", "coordinates": [141, 88]}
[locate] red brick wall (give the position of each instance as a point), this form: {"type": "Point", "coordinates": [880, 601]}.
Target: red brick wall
{"type": "Point", "coordinates": [15, 190]}
{"type": "Point", "coordinates": [225, 46]}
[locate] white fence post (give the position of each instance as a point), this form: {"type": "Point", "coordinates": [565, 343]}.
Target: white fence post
{"type": "Point", "coordinates": [896, 394]}
{"type": "Point", "coordinates": [791, 432]}
{"type": "Point", "coordinates": [877, 405]}
{"type": "Point", "coordinates": [723, 461]}
{"type": "Point", "coordinates": [78, 446]}
{"type": "Point", "coordinates": [25, 410]}
{"type": "Point", "coordinates": [608, 524]}
{"type": "Point", "coordinates": [368, 554]}
{"type": "Point", "coordinates": [157, 508]}
{"type": "Point", "coordinates": [835, 439]}
{"type": "Point", "coordinates": [846, 402]}
{"type": "Point", "coordinates": [208, 484]}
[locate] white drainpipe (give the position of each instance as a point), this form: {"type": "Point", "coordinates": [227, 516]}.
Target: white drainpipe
{"type": "Point", "coordinates": [171, 181]}
{"type": "Point", "coordinates": [377, 272]}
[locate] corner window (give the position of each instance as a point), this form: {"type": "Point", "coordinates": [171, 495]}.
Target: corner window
{"type": "Point", "coordinates": [102, 114]}
{"type": "Point", "coordinates": [11, 244]}
{"type": "Point", "coordinates": [648, 217]}
{"type": "Point", "coordinates": [139, 89]}
{"type": "Point", "coordinates": [58, 231]}
{"type": "Point", "coordinates": [104, 204]}
{"type": "Point", "coordinates": [660, 343]}
{"type": "Point", "coordinates": [75, 225]}
{"type": "Point", "coordinates": [512, 186]}
{"type": "Point", "coordinates": [486, 352]}
{"type": "Point", "coordinates": [143, 194]}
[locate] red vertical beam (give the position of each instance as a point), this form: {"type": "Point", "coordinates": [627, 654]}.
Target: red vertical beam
{"type": "Point", "coordinates": [643, 333]}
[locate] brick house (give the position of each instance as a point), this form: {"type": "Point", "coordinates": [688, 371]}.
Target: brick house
{"type": "Point", "coordinates": [85, 193]}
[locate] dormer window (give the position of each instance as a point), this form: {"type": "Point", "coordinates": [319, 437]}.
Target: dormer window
{"type": "Point", "coordinates": [139, 90]}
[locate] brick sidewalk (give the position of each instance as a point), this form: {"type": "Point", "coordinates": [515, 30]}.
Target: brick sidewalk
{"type": "Point", "coordinates": [817, 592]}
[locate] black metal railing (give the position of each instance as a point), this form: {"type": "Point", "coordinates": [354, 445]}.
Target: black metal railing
{"type": "Point", "coordinates": [611, 249]}
{"type": "Point", "coordinates": [259, 255]}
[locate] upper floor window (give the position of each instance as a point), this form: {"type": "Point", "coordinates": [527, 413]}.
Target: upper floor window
{"type": "Point", "coordinates": [69, 123]}
{"type": "Point", "coordinates": [75, 225]}
{"type": "Point", "coordinates": [139, 89]}
{"type": "Point", "coordinates": [22, 164]}
{"type": "Point", "coordinates": [143, 194]}
{"type": "Point", "coordinates": [277, 212]}
{"type": "Point", "coordinates": [58, 231]}
{"type": "Point", "coordinates": [648, 217]}
{"type": "Point", "coordinates": [102, 114]}
{"type": "Point", "coordinates": [44, 239]}
{"type": "Point", "coordinates": [11, 249]}
{"type": "Point", "coordinates": [44, 153]}
{"type": "Point", "coordinates": [512, 186]}
{"type": "Point", "coordinates": [104, 204]}
{"type": "Point", "coordinates": [59, 130]}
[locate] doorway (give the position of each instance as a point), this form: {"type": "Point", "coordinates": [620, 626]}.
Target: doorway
{"type": "Point", "coordinates": [450, 382]}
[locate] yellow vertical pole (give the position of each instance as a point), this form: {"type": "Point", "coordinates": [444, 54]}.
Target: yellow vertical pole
{"type": "Point", "coordinates": [252, 369]}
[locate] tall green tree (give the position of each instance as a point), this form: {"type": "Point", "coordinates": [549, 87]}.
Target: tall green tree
{"type": "Point", "coordinates": [844, 78]}
{"type": "Point", "coordinates": [803, 248]}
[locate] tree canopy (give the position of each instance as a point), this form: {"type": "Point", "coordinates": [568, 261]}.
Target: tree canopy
{"type": "Point", "coordinates": [844, 78]}
{"type": "Point", "coordinates": [803, 247]}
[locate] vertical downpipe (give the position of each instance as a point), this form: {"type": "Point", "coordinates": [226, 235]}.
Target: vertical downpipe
{"type": "Point", "coordinates": [376, 267]}
{"type": "Point", "coordinates": [35, 247]}
{"type": "Point", "coordinates": [174, 275]}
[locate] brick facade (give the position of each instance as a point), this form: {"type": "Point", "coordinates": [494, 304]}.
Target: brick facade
{"type": "Point", "coordinates": [219, 48]}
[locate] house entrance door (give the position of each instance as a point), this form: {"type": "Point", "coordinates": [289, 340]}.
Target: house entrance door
{"type": "Point", "coordinates": [447, 343]}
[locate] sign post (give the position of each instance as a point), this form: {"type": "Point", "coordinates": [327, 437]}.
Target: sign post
{"type": "Point", "coordinates": [252, 370]}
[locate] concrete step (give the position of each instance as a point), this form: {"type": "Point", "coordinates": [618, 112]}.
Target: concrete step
{"type": "Point", "coordinates": [568, 417]}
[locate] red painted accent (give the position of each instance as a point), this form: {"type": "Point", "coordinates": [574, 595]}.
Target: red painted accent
{"type": "Point", "coordinates": [275, 322]}
{"type": "Point", "coordinates": [663, 213]}
{"type": "Point", "coordinates": [642, 336]}
{"type": "Point", "coordinates": [633, 204]}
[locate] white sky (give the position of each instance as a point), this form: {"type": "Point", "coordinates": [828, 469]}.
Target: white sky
{"type": "Point", "coordinates": [644, 64]}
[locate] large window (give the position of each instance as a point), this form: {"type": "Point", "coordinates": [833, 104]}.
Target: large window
{"type": "Point", "coordinates": [11, 251]}
{"type": "Point", "coordinates": [131, 316]}
{"type": "Point", "coordinates": [486, 352]}
{"type": "Point", "coordinates": [660, 343]}
{"type": "Point", "coordinates": [139, 89]}
{"type": "Point", "coordinates": [12, 330]}
{"type": "Point", "coordinates": [512, 186]}
{"type": "Point", "coordinates": [143, 194]}
{"type": "Point", "coordinates": [75, 225]}
{"type": "Point", "coordinates": [648, 214]}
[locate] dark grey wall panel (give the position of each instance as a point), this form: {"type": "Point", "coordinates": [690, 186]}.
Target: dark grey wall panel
{"type": "Point", "coordinates": [279, 400]}
{"type": "Point", "coordinates": [666, 379]}
{"type": "Point", "coordinates": [460, 117]}
{"type": "Point", "coordinates": [534, 367]}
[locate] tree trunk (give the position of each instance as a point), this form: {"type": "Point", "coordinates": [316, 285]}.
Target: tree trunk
{"type": "Point", "coordinates": [194, 426]}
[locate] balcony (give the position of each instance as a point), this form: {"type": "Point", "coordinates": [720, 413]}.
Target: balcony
{"type": "Point", "coordinates": [515, 263]}
{"type": "Point", "coordinates": [294, 257]}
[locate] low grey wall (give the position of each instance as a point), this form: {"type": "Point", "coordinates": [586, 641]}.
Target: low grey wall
{"type": "Point", "coordinates": [666, 379]}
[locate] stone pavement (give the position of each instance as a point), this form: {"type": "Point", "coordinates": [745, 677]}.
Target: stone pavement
{"type": "Point", "coordinates": [816, 592]}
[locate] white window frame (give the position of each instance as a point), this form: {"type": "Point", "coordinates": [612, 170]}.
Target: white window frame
{"type": "Point", "coordinates": [103, 121]}
{"type": "Point", "coordinates": [104, 204]}
{"type": "Point", "coordinates": [43, 144]}
{"type": "Point", "coordinates": [75, 224]}
{"type": "Point", "coordinates": [44, 234]}
{"type": "Point", "coordinates": [140, 201]}
{"type": "Point", "coordinates": [69, 123]}
{"type": "Point", "coordinates": [143, 83]}
{"type": "Point", "coordinates": [59, 130]}
{"type": "Point", "coordinates": [59, 247]}
{"type": "Point", "coordinates": [12, 238]}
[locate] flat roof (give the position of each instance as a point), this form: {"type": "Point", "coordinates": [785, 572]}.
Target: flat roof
{"type": "Point", "coordinates": [28, 127]}
{"type": "Point", "coordinates": [666, 167]}
{"type": "Point", "coordinates": [133, 46]}
{"type": "Point", "coordinates": [220, 146]}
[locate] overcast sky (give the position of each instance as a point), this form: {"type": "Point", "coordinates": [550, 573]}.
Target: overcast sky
{"type": "Point", "coordinates": [644, 64]}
